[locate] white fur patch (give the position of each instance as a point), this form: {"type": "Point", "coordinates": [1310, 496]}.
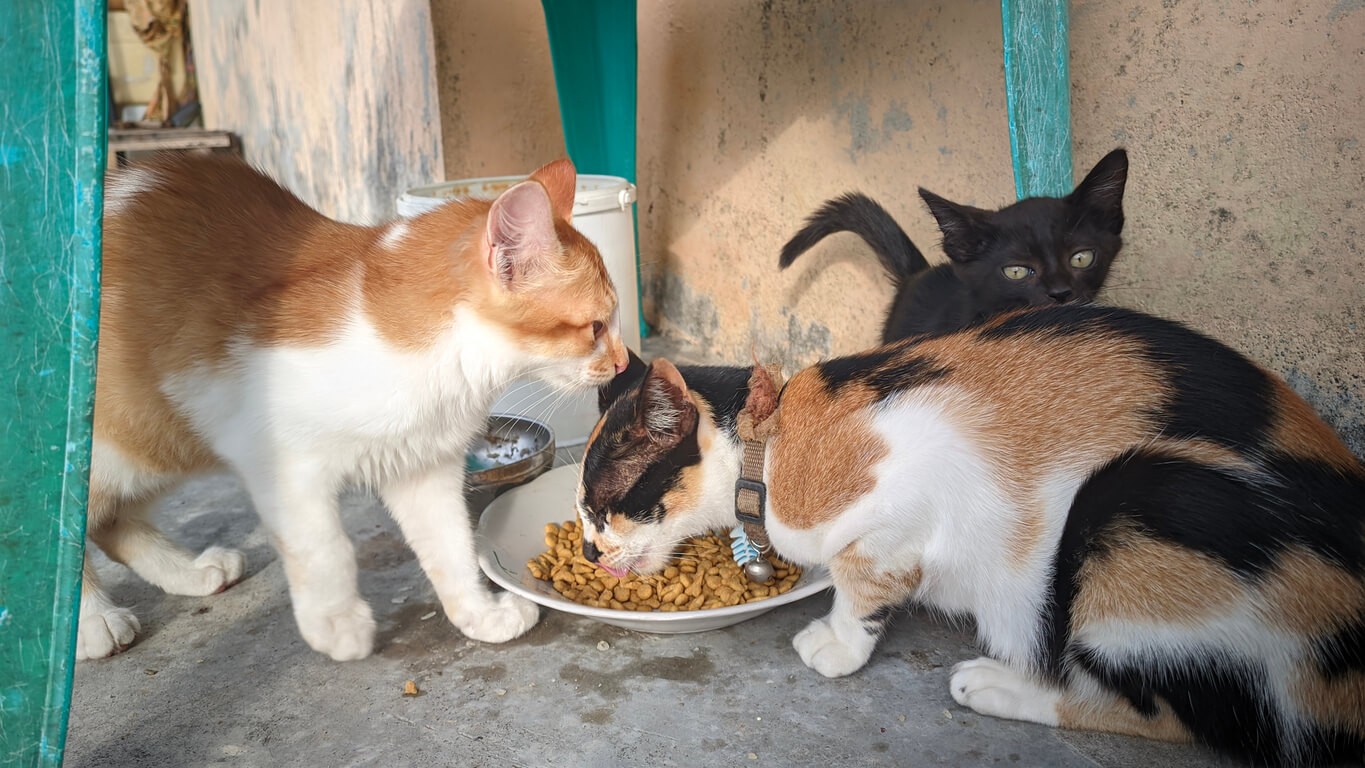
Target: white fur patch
{"type": "Point", "coordinates": [394, 235]}
{"type": "Point", "coordinates": [662, 413]}
{"type": "Point", "coordinates": [114, 473]}
{"type": "Point", "coordinates": [359, 406]}
{"type": "Point", "coordinates": [991, 688]}
{"type": "Point", "coordinates": [935, 504]}
{"type": "Point", "coordinates": [124, 186]}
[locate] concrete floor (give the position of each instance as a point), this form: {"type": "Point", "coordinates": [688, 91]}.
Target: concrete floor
{"type": "Point", "coordinates": [226, 680]}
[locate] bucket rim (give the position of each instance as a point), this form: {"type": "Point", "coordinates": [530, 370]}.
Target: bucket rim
{"type": "Point", "coordinates": [595, 193]}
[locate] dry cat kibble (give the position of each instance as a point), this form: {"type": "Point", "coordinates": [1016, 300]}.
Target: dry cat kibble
{"type": "Point", "coordinates": [701, 576]}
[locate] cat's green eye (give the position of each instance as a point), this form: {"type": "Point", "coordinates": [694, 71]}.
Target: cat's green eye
{"type": "Point", "coordinates": [1016, 272]}
{"type": "Point", "coordinates": [1083, 259]}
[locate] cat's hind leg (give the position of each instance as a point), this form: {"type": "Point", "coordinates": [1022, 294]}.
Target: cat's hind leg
{"type": "Point", "coordinates": [104, 628]}
{"type": "Point", "coordinates": [429, 508]}
{"type": "Point", "coordinates": [865, 595]}
{"type": "Point", "coordinates": [992, 688]}
{"type": "Point", "coordinates": [129, 537]}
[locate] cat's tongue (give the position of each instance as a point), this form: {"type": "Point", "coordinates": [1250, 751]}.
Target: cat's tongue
{"type": "Point", "coordinates": [617, 572]}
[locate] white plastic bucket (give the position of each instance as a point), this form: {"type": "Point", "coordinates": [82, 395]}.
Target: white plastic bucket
{"type": "Point", "coordinates": [603, 211]}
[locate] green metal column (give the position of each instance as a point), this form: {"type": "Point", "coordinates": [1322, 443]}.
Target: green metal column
{"type": "Point", "coordinates": [52, 153]}
{"type": "Point", "coordinates": [593, 49]}
{"type": "Point", "coordinates": [1038, 95]}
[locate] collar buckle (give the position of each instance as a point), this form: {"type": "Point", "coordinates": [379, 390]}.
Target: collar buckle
{"type": "Point", "coordinates": [751, 499]}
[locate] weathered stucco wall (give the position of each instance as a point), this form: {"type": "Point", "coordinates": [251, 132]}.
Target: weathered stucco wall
{"type": "Point", "coordinates": [1242, 121]}
{"type": "Point", "coordinates": [1246, 192]}
{"type": "Point", "coordinates": [337, 100]}
{"type": "Point", "coordinates": [499, 113]}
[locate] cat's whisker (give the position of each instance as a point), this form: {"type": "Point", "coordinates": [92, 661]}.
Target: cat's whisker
{"type": "Point", "coordinates": [533, 408]}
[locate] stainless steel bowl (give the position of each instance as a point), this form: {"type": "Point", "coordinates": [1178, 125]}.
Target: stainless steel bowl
{"type": "Point", "coordinates": [512, 450]}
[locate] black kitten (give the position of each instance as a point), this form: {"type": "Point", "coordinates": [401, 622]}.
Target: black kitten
{"type": "Point", "coordinates": [1038, 251]}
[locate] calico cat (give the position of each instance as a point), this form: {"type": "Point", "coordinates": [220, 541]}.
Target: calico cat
{"type": "Point", "coordinates": [240, 328]}
{"type": "Point", "coordinates": [1154, 535]}
{"type": "Point", "coordinates": [1036, 252]}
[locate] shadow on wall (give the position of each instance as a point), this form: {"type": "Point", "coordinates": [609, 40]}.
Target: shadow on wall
{"type": "Point", "coordinates": [762, 111]}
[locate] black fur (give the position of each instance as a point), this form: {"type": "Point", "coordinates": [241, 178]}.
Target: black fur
{"type": "Point", "coordinates": [861, 215]}
{"type": "Point", "coordinates": [724, 387]}
{"type": "Point", "coordinates": [1343, 652]}
{"type": "Point", "coordinates": [631, 377]}
{"type": "Point", "coordinates": [842, 371]}
{"type": "Point", "coordinates": [885, 370]}
{"type": "Point", "coordinates": [642, 501]}
{"type": "Point", "coordinates": [1040, 234]}
{"type": "Point", "coordinates": [1211, 692]}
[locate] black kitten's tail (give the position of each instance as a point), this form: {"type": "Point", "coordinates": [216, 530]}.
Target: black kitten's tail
{"type": "Point", "coordinates": [861, 215]}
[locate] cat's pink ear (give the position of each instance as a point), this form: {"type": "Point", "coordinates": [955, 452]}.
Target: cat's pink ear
{"type": "Point", "coordinates": [520, 233]}
{"type": "Point", "coordinates": [665, 412]}
{"type": "Point", "coordinates": [561, 182]}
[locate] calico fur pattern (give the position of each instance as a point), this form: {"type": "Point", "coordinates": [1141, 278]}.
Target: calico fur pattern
{"type": "Point", "coordinates": [1154, 535]}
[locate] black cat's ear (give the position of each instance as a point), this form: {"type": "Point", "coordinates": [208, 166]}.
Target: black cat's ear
{"type": "Point", "coordinates": [1101, 191]}
{"type": "Point", "coordinates": [965, 235]}
{"type": "Point", "coordinates": [664, 412]}
{"type": "Point", "coordinates": [625, 380]}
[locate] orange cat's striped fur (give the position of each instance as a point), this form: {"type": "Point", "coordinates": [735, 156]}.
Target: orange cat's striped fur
{"type": "Point", "coordinates": [1154, 535]}
{"type": "Point", "coordinates": [241, 328]}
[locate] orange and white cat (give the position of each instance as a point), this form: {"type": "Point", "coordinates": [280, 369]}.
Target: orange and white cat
{"type": "Point", "coordinates": [241, 328]}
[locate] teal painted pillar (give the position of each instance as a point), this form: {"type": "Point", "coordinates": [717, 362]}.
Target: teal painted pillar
{"type": "Point", "coordinates": [1038, 95]}
{"type": "Point", "coordinates": [593, 49]}
{"type": "Point", "coordinates": [52, 153]}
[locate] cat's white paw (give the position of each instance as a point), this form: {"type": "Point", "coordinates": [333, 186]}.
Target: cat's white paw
{"type": "Point", "coordinates": [991, 688]}
{"type": "Point", "coordinates": [823, 651]}
{"type": "Point", "coordinates": [105, 632]}
{"type": "Point", "coordinates": [215, 570]}
{"type": "Point", "coordinates": [501, 618]}
{"type": "Point", "coordinates": [345, 634]}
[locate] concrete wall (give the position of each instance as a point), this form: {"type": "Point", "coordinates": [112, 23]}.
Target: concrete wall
{"type": "Point", "coordinates": [337, 99]}
{"type": "Point", "coordinates": [499, 113]}
{"type": "Point", "coordinates": [1242, 120]}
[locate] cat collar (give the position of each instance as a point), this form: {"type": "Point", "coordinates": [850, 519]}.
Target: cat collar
{"type": "Point", "coordinates": [755, 425]}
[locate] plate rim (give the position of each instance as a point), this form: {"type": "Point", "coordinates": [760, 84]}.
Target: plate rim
{"type": "Point", "coordinates": [504, 577]}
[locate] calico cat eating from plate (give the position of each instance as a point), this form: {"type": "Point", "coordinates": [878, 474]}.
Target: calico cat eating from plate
{"type": "Point", "coordinates": [1154, 535]}
{"type": "Point", "coordinates": [1036, 252]}
{"type": "Point", "coordinates": [241, 329]}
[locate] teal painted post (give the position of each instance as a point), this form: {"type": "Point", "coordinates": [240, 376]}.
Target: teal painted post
{"type": "Point", "coordinates": [1038, 95]}
{"type": "Point", "coordinates": [593, 49]}
{"type": "Point", "coordinates": [52, 154]}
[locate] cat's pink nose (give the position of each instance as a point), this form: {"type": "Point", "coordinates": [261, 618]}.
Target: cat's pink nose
{"type": "Point", "coordinates": [621, 367]}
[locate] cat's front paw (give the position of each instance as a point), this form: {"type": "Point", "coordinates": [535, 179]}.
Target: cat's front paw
{"type": "Point", "coordinates": [991, 688]}
{"type": "Point", "coordinates": [215, 570]}
{"type": "Point", "coordinates": [502, 617]}
{"type": "Point", "coordinates": [823, 651]}
{"type": "Point", "coordinates": [105, 633]}
{"type": "Point", "coordinates": [345, 634]}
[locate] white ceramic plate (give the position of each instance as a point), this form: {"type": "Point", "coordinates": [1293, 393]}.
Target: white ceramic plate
{"type": "Point", "coordinates": [512, 531]}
